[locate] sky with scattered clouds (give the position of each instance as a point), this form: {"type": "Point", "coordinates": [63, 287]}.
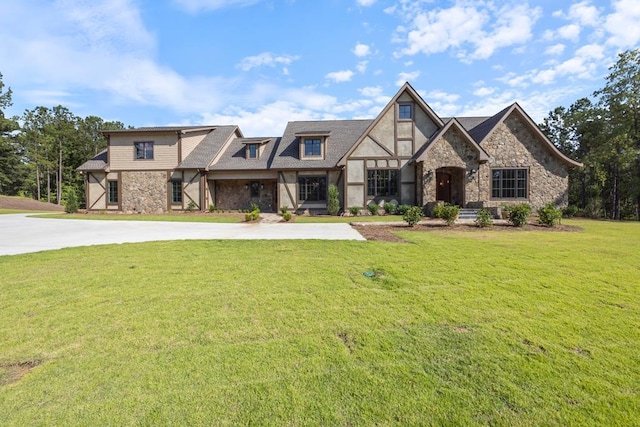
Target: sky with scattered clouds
{"type": "Point", "coordinates": [261, 63]}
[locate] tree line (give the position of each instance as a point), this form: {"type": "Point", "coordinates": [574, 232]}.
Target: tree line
{"type": "Point", "coordinates": [41, 149]}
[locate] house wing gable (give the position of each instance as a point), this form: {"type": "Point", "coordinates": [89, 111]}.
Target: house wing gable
{"type": "Point", "coordinates": [402, 127]}
{"type": "Point", "coordinates": [442, 136]}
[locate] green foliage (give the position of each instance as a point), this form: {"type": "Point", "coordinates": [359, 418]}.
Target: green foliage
{"type": "Point", "coordinates": [373, 208]}
{"type": "Point", "coordinates": [570, 211]}
{"type": "Point", "coordinates": [518, 215]}
{"type": "Point", "coordinates": [389, 208]}
{"type": "Point", "coordinates": [191, 206]}
{"type": "Point", "coordinates": [253, 215]}
{"type": "Point", "coordinates": [484, 218]}
{"type": "Point", "coordinates": [549, 215]}
{"type": "Point", "coordinates": [71, 200]}
{"type": "Point", "coordinates": [333, 204]}
{"type": "Point", "coordinates": [354, 210]}
{"type": "Point", "coordinates": [286, 216]}
{"type": "Point", "coordinates": [284, 210]}
{"type": "Point", "coordinates": [413, 215]}
{"type": "Point", "coordinates": [447, 212]}
{"type": "Point", "coordinates": [402, 209]}
{"type": "Point", "coordinates": [254, 207]}
{"type": "Point", "coordinates": [212, 208]}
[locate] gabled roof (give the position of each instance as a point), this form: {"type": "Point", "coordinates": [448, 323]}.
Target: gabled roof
{"type": "Point", "coordinates": [182, 129]}
{"type": "Point", "coordinates": [211, 146]}
{"type": "Point", "coordinates": [421, 155]}
{"type": "Point", "coordinates": [342, 136]}
{"type": "Point", "coordinates": [467, 122]}
{"type": "Point", "coordinates": [483, 131]}
{"type": "Point", "coordinates": [406, 88]}
{"type": "Point", "coordinates": [96, 163]}
{"type": "Point", "coordinates": [234, 156]}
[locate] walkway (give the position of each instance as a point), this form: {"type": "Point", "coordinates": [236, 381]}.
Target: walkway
{"type": "Point", "coordinates": [21, 234]}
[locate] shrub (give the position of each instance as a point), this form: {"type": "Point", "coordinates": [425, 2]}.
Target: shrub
{"type": "Point", "coordinates": [484, 218]}
{"type": "Point", "coordinates": [570, 211]}
{"type": "Point", "coordinates": [413, 215]}
{"type": "Point", "coordinates": [254, 207]}
{"type": "Point", "coordinates": [354, 210]}
{"type": "Point", "coordinates": [253, 215]}
{"type": "Point", "coordinates": [286, 216]}
{"type": "Point", "coordinates": [284, 210]}
{"type": "Point", "coordinates": [71, 203]}
{"type": "Point", "coordinates": [549, 215]}
{"type": "Point", "coordinates": [389, 208]}
{"type": "Point", "coordinates": [212, 208]}
{"type": "Point", "coordinates": [402, 209]}
{"type": "Point", "coordinates": [447, 212]}
{"type": "Point", "coordinates": [191, 207]}
{"type": "Point", "coordinates": [333, 204]}
{"type": "Point", "coordinates": [518, 215]}
{"type": "Point", "coordinates": [373, 208]}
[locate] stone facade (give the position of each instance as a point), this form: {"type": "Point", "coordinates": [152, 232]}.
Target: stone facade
{"type": "Point", "coordinates": [144, 192]}
{"type": "Point", "coordinates": [513, 144]}
{"type": "Point", "coordinates": [232, 194]}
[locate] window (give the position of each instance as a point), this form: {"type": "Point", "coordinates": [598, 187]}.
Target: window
{"type": "Point", "coordinates": [112, 192]}
{"type": "Point", "coordinates": [176, 191]}
{"type": "Point", "coordinates": [143, 150]}
{"type": "Point", "coordinates": [312, 147]}
{"type": "Point", "coordinates": [509, 184]}
{"type": "Point", "coordinates": [312, 188]}
{"type": "Point", "coordinates": [252, 151]}
{"type": "Point", "coordinates": [404, 112]}
{"type": "Point", "coordinates": [382, 182]}
{"type": "Point", "coordinates": [255, 189]}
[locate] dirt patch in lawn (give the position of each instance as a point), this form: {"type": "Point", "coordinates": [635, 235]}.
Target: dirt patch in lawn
{"type": "Point", "coordinates": [13, 372]}
{"type": "Point", "coordinates": [386, 232]}
{"type": "Point", "coordinates": [24, 204]}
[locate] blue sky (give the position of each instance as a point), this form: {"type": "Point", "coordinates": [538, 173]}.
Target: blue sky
{"type": "Point", "coordinates": [260, 63]}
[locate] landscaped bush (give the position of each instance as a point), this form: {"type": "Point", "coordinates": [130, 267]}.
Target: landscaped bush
{"type": "Point", "coordinates": [253, 215]}
{"type": "Point", "coordinates": [413, 215]}
{"type": "Point", "coordinates": [373, 208]}
{"type": "Point", "coordinates": [286, 216]}
{"type": "Point", "coordinates": [549, 215]}
{"type": "Point", "coordinates": [354, 210]}
{"type": "Point", "coordinates": [570, 211]}
{"type": "Point", "coordinates": [71, 203]}
{"type": "Point", "coordinates": [518, 215]}
{"type": "Point", "coordinates": [447, 212]}
{"type": "Point", "coordinates": [191, 207]}
{"type": "Point", "coordinates": [212, 208]}
{"type": "Point", "coordinates": [389, 208]}
{"type": "Point", "coordinates": [402, 209]}
{"type": "Point", "coordinates": [333, 204]}
{"type": "Point", "coordinates": [484, 218]}
{"type": "Point", "coordinates": [284, 210]}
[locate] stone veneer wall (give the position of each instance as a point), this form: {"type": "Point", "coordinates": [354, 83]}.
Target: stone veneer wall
{"type": "Point", "coordinates": [231, 194]}
{"type": "Point", "coordinates": [514, 144]}
{"type": "Point", "coordinates": [452, 150]}
{"type": "Point", "coordinates": [144, 192]}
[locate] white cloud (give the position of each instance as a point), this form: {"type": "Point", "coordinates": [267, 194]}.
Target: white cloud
{"type": "Point", "coordinates": [484, 91]}
{"type": "Point", "coordinates": [361, 50]}
{"type": "Point", "coordinates": [265, 59]}
{"type": "Point", "coordinates": [340, 76]}
{"type": "Point", "coordinates": [407, 77]}
{"type": "Point", "coordinates": [365, 2]}
{"type": "Point", "coordinates": [622, 25]}
{"type": "Point", "coordinates": [585, 14]}
{"type": "Point", "coordinates": [362, 66]}
{"type": "Point", "coordinates": [197, 5]}
{"type": "Point", "coordinates": [442, 96]}
{"type": "Point", "coordinates": [569, 32]}
{"type": "Point", "coordinates": [371, 91]}
{"type": "Point", "coordinates": [555, 50]}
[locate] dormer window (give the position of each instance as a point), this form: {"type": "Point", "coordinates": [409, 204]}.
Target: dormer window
{"type": "Point", "coordinates": [253, 147]}
{"type": "Point", "coordinates": [252, 151]}
{"type": "Point", "coordinates": [313, 144]}
{"type": "Point", "coordinates": [405, 112]}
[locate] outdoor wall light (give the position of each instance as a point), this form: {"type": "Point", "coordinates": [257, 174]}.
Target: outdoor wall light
{"type": "Point", "coordinates": [430, 173]}
{"type": "Point", "coordinates": [262, 186]}
{"type": "Point", "coordinates": [246, 186]}
{"type": "Point", "coordinates": [472, 171]}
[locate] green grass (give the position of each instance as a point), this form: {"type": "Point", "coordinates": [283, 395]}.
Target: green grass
{"type": "Point", "coordinates": [175, 217]}
{"type": "Point", "coordinates": [348, 219]}
{"type": "Point", "coordinates": [18, 211]}
{"type": "Point", "coordinates": [482, 327]}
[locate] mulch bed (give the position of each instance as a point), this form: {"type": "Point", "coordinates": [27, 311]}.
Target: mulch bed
{"type": "Point", "coordinates": [386, 232]}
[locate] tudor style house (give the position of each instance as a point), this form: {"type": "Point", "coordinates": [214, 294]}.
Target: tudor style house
{"type": "Point", "coordinates": [407, 154]}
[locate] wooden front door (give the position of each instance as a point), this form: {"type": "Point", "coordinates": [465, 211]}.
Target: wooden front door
{"type": "Point", "coordinates": [443, 183]}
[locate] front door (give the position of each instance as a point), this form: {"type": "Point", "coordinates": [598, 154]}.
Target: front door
{"type": "Point", "coordinates": [443, 183]}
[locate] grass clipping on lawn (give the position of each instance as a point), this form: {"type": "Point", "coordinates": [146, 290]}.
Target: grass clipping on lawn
{"type": "Point", "coordinates": [453, 328]}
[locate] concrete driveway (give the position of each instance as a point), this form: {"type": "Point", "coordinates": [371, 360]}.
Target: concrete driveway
{"type": "Point", "coordinates": [21, 234]}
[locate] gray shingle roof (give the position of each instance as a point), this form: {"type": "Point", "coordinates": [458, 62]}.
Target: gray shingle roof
{"type": "Point", "coordinates": [98, 162]}
{"type": "Point", "coordinates": [209, 147]}
{"type": "Point", "coordinates": [481, 130]}
{"type": "Point", "coordinates": [234, 157]}
{"type": "Point", "coordinates": [467, 123]}
{"type": "Point", "coordinates": [343, 134]}
{"type": "Point", "coordinates": [160, 129]}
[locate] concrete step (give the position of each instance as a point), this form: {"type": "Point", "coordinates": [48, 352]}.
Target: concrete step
{"type": "Point", "coordinates": [467, 213]}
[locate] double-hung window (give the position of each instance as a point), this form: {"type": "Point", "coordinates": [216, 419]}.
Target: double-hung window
{"type": "Point", "coordinates": [509, 183]}
{"type": "Point", "coordinates": [382, 182]}
{"type": "Point", "coordinates": [312, 188]}
{"type": "Point", "coordinates": [143, 150]}
{"type": "Point", "coordinates": [176, 191]}
{"type": "Point", "coordinates": [312, 147]}
{"type": "Point", "coordinates": [112, 192]}
{"type": "Point", "coordinates": [252, 151]}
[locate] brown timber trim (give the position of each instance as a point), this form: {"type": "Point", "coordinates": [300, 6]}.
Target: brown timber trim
{"type": "Point", "coordinates": [169, 188]}
{"type": "Point", "coordinates": [385, 148]}
{"type": "Point", "coordinates": [286, 186]}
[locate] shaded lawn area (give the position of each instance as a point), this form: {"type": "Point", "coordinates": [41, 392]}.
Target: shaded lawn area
{"type": "Point", "coordinates": [168, 217]}
{"type": "Point", "coordinates": [453, 328]}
